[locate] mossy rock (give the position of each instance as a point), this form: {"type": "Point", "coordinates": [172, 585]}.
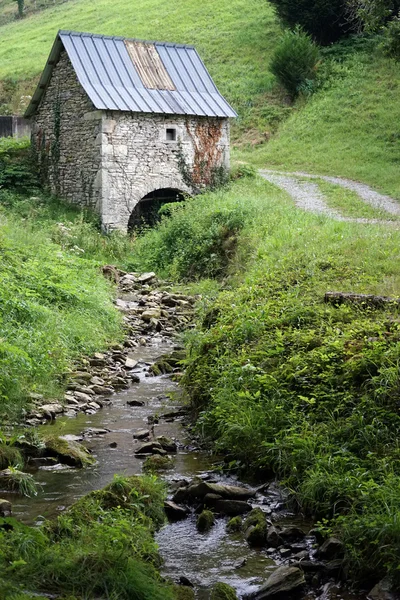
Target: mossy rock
{"type": "Point", "coordinates": [67, 452]}
{"type": "Point", "coordinates": [183, 592]}
{"type": "Point", "coordinates": [223, 591]}
{"type": "Point", "coordinates": [156, 463]}
{"type": "Point", "coordinates": [234, 524]}
{"type": "Point", "coordinates": [205, 521]}
{"type": "Point", "coordinates": [255, 527]}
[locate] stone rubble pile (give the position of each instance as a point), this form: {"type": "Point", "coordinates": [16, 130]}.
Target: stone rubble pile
{"type": "Point", "coordinates": [150, 315]}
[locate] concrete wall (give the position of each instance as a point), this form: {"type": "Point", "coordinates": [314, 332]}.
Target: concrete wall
{"type": "Point", "coordinates": [110, 160]}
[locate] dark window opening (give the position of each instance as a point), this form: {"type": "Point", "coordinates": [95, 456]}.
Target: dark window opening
{"type": "Point", "coordinates": [146, 212]}
{"type": "Point", "coordinates": [171, 135]}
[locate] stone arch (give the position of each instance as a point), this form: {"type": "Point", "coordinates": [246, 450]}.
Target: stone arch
{"type": "Point", "coordinates": [146, 210]}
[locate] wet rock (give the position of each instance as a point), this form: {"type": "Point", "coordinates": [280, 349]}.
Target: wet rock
{"type": "Point", "coordinates": [5, 508]}
{"type": "Point", "coordinates": [317, 534]}
{"type": "Point", "coordinates": [113, 444]}
{"type": "Point", "coordinates": [175, 512]}
{"type": "Point", "coordinates": [83, 389]}
{"type": "Point", "coordinates": [292, 534]}
{"type": "Point", "coordinates": [130, 363]}
{"type": "Point", "coordinates": [240, 563]}
{"type": "Point", "coordinates": [205, 521]}
{"type": "Point", "coordinates": [331, 548]}
{"type": "Point", "coordinates": [201, 489]}
{"type": "Point", "coordinates": [309, 566]}
{"type": "Point", "coordinates": [166, 443]}
{"type": "Point", "coordinates": [68, 453]}
{"type": "Point", "coordinates": [83, 397]}
{"type": "Point", "coordinates": [151, 313]}
{"type": "Point", "coordinates": [135, 402]}
{"type": "Point", "coordinates": [185, 581]}
{"type": "Point", "coordinates": [285, 552]}
{"type": "Point", "coordinates": [102, 390]}
{"type": "Point", "coordinates": [223, 591]}
{"type": "Point", "coordinates": [273, 537]}
{"type": "Point", "coordinates": [210, 500]}
{"type": "Point", "coordinates": [150, 448]}
{"type": "Point", "coordinates": [302, 555]}
{"type": "Point", "coordinates": [283, 582]}
{"type": "Point", "coordinates": [234, 524]}
{"type": "Point", "coordinates": [180, 495]}
{"type": "Point", "coordinates": [384, 590]}
{"type": "Point", "coordinates": [255, 528]}
{"type": "Point", "coordinates": [232, 508]}
{"type": "Point", "coordinates": [141, 434]}
{"type": "Point", "coordinates": [97, 380]}
{"type": "Point", "coordinates": [156, 463]}
{"type": "Point", "coordinates": [51, 410]}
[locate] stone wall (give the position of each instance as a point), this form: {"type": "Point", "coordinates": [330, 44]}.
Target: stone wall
{"type": "Point", "coordinates": [138, 158]}
{"type": "Point", "coordinates": [65, 135]}
{"type": "Point", "coordinates": [110, 160]}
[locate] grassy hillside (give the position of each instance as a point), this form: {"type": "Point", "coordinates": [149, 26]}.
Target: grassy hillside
{"type": "Point", "coordinates": [235, 38]}
{"type": "Point", "coordinates": [9, 8]}
{"type": "Point", "coordinates": [351, 127]}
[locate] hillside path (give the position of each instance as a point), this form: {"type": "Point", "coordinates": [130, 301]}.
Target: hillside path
{"type": "Point", "coordinates": [308, 196]}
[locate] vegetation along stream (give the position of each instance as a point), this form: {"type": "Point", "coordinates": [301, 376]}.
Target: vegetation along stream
{"type": "Point", "coordinates": [149, 411]}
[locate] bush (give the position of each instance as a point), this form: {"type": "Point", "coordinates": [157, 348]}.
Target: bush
{"type": "Point", "coordinates": [391, 41]}
{"type": "Point", "coordinates": [16, 169]}
{"type": "Point", "coordinates": [295, 61]}
{"type": "Point", "coordinates": [325, 20]}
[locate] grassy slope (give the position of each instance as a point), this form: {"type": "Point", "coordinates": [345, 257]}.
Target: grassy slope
{"type": "Point", "coordinates": [351, 129]}
{"type": "Point", "coordinates": [234, 38]}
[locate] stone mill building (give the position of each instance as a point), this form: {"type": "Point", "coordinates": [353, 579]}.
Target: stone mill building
{"type": "Point", "coordinates": [121, 125]}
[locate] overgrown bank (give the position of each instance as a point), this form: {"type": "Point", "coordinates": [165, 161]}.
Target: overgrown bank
{"type": "Point", "coordinates": [101, 546]}
{"type": "Point", "coordinates": [285, 384]}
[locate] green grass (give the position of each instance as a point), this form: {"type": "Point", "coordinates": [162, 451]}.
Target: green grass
{"type": "Point", "coordinates": [9, 8]}
{"type": "Point", "coordinates": [234, 38]}
{"type": "Point", "coordinates": [349, 203]}
{"type": "Point", "coordinates": [348, 128]}
{"type": "Point", "coordinates": [101, 547]}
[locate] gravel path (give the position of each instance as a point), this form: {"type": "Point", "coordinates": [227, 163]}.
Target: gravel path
{"type": "Point", "coordinates": [308, 196]}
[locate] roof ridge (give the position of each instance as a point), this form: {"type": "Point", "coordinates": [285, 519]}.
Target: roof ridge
{"type": "Point", "coordinates": [120, 37]}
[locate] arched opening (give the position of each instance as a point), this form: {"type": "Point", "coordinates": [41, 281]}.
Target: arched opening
{"type": "Point", "coordinates": [146, 211]}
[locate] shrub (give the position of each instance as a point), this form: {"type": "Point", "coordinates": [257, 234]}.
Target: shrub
{"type": "Point", "coordinates": [391, 40]}
{"type": "Point", "coordinates": [16, 169]}
{"type": "Point", "coordinates": [325, 20]}
{"type": "Point", "coordinates": [295, 61]}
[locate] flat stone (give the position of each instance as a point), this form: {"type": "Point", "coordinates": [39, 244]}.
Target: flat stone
{"type": "Point", "coordinates": [140, 434]}
{"type": "Point", "coordinates": [96, 380]}
{"type": "Point", "coordinates": [283, 581]}
{"type": "Point", "coordinates": [166, 443]}
{"type": "Point", "coordinates": [150, 448]}
{"type": "Point", "coordinates": [95, 431]}
{"type": "Point", "coordinates": [232, 508]}
{"type": "Point", "coordinates": [83, 397]}
{"type": "Point", "coordinates": [151, 313]}
{"type": "Point", "coordinates": [199, 490]}
{"type": "Point", "coordinates": [130, 363]}
{"type": "Point", "coordinates": [51, 409]}
{"type": "Point", "coordinates": [146, 277]}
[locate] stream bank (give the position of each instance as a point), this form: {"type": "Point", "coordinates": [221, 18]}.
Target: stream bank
{"type": "Point", "coordinates": [152, 403]}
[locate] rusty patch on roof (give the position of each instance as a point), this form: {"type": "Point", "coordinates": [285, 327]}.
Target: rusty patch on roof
{"type": "Point", "coordinates": [149, 65]}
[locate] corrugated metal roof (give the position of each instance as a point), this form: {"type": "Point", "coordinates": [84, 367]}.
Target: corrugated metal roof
{"type": "Point", "coordinates": [137, 76]}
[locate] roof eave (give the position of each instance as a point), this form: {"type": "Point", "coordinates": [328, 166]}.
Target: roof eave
{"type": "Point", "coordinates": [45, 77]}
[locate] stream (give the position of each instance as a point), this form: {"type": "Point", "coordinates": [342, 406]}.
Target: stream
{"type": "Point", "coordinates": [202, 558]}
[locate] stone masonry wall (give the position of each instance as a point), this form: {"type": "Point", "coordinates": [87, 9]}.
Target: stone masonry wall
{"type": "Point", "coordinates": [109, 160]}
{"type": "Point", "coordinates": [65, 135]}
{"type": "Point", "coordinates": [138, 158]}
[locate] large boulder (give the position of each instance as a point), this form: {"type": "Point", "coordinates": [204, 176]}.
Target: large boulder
{"type": "Point", "coordinates": [232, 508]}
{"type": "Point", "coordinates": [332, 548]}
{"type": "Point", "coordinates": [175, 512]}
{"type": "Point", "coordinates": [281, 584]}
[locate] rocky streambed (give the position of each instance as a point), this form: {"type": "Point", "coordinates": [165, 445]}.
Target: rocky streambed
{"type": "Point", "coordinates": [125, 408]}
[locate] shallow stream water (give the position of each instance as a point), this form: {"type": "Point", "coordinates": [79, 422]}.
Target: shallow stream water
{"type": "Point", "coordinates": [203, 558]}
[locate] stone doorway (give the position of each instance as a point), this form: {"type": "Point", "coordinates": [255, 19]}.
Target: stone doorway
{"type": "Point", "coordinates": [146, 210]}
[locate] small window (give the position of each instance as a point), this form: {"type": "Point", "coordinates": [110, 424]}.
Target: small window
{"type": "Point", "coordinates": [171, 134]}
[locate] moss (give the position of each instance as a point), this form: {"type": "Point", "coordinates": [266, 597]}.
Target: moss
{"type": "Point", "coordinates": [205, 521]}
{"type": "Point", "coordinates": [223, 591]}
{"type": "Point", "coordinates": [69, 453]}
{"type": "Point", "coordinates": [183, 592]}
{"type": "Point", "coordinates": [156, 463]}
{"type": "Point", "coordinates": [255, 527]}
{"type": "Point", "coordinates": [234, 524]}
{"type": "Point", "coordinates": [9, 456]}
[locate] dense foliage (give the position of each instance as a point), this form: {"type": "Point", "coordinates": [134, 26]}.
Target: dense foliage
{"type": "Point", "coordinates": [16, 167]}
{"type": "Point", "coordinates": [295, 61]}
{"type": "Point", "coordinates": [325, 20]}
{"type": "Point", "coordinates": [102, 546]}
